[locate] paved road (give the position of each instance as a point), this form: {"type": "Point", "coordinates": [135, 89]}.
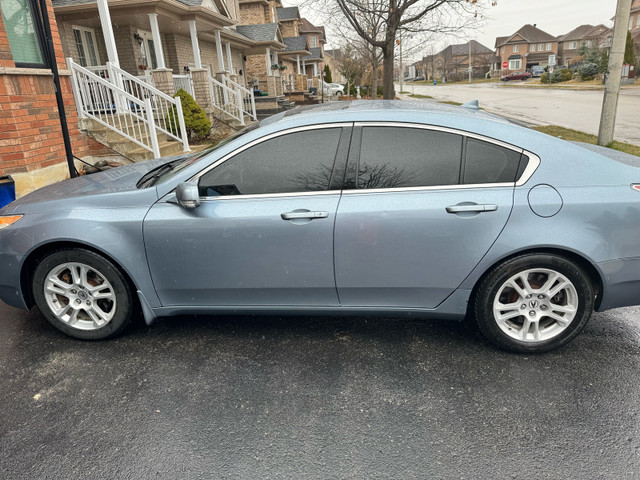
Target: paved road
{"type": "Point", "coordinates": [576, 109]}
{"type": "Point", "coordinates": [297, 398]}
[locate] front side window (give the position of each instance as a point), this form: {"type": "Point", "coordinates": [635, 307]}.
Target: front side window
{"type": "Point", "coordinates": [573, 45]}
{"type": "Point", "coordinates": [86, 45]}
{"type": "Point", "coordinates": [548, 46]}
{"type": "Point", "coordinates": [514, 64]}
{"type": "Point", "coordinates": [396, 157]}
{"type": "Point", "coordinates": [24, 39]}
{"type": "Point", "coordinates": [489, 163]}
{"type": "Point", "coordinates": [294, 162]}
{"type": "Point", "coordinates": [312, 42]}
{"type": "Point", "coordinates": [532, 47]}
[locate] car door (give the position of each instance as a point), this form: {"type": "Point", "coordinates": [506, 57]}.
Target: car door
{"type": "Point", "coordinates": [427, 206]}
{"type": "Point", "coordinates": [263, 232]}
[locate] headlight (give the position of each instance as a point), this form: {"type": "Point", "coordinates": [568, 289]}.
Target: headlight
{"type": "Point", "coordinates": [6, 220]}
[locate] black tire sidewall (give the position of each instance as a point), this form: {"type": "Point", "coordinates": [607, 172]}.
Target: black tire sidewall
{"type": "Point", "coordinates": [124, 298]}
{"type": "Point", "coordinates": [491, 284]}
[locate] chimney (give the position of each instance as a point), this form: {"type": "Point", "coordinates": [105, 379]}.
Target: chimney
{"type": "Point", "coordinates": [535, 25]}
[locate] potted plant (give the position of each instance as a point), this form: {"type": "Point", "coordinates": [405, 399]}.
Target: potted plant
{"type": "Point", "coordinates": [274, 66]}
{"type": "Point", "coordinates": [282, 67]}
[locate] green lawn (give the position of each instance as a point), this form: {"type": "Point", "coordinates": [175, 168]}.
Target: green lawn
{"type": "Point", "coordinates": [417, 95]}
{"type": "Point", "coordinates": [577, 136]}
{"type": "Point", "coordinates": [450, 102]}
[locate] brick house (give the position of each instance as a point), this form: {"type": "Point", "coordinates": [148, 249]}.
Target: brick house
{"type": "Point", "coordinates": [584, 35]}
{"type": "Point", "coordinates": [31, 143]}
{"type": "Point", "coordinates": [333, 58]}
{"type": "Point", "coordinates": [452, 62]}
{"type": "Point", "coordinates": [634, 27]}
{"type": "Point", "coordinates": [527, 47]}
{"type": "Point", "coordinates": [314, 62]}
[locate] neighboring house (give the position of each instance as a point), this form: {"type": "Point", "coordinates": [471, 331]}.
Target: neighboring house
{"type": "Point", "coordinates": [524, 49]}
{"type": "Point", "coordinates": [452, 63]}
{"type": "Point", "coordinates": [584, 35]}
{"type": "Point", "coordinates": [634, 27]}
{"type": "Point", "coordinates": [298, 48]}
{"type": "Point", "coordinates": [31, 143]}
{"type": "Point", "coordinates": [333, 58]}
{"type": "Point", "coordinates": [314, 62]}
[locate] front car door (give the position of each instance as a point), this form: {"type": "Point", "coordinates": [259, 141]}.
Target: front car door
{"type": "Point", "coordinates": [263, 232]}
{"type": "Point", "coordinates": [427, 206]}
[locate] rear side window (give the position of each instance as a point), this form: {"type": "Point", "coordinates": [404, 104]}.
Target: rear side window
{"type": "Point", "coordinates": [396, 157]}
{"type": "Point", "coordinates": [490, 163]}
{"type": "Point", "coordinates": [295, 162]}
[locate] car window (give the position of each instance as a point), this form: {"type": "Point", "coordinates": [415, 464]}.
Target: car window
{"type": "Point", "coordinates": [490, 163]}
{"type": "Point", "coordinates": [392, 157]}
{"type": "Point", "coordinates": [294, 162]}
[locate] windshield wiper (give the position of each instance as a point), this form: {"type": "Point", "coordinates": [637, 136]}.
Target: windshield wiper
{"type": "Point", "coordinates": [150, 178]}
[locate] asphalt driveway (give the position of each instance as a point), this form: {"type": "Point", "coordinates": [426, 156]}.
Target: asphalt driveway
{"type": "Point", "coordinates": [254, 397]}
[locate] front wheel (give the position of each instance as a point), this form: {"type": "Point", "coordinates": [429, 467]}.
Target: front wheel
{"type": "Point", "coordinates": [82, 294]}
{"type": "Point", "coordinates": [533, 303]}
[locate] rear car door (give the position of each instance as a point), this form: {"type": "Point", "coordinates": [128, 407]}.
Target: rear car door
{"type": "Point", "coordinates": [420, 209]}
{"type": "Point", "coordinates": [263, 232]}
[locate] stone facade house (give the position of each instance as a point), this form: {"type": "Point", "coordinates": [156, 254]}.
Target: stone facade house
{"type": "Point", "coordinates": [452, 63]}
{"type": "Point", "coordinates": [527, 47]}
{"type": "Point", "coordinates": [585, 35]}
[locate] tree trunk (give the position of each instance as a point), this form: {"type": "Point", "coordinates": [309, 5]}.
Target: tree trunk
{"type": "Point", "coordinates": [374, 81]}
{"type": "Point", "coordinates": [387, 77]}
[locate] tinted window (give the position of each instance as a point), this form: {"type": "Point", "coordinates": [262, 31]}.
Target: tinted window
{"type": "Point", "coordinates": [297, 162]}
{"type": "Point", "coordinates": [490, 163]}
{"type": "Point", "coordinates": [392, 157]}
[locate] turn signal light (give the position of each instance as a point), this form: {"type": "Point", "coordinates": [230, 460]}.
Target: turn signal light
{"type": "Point", "coordinates": [7, 220]}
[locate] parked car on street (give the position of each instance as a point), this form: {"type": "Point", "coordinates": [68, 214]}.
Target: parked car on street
{"type": "Point", "coordinates": [334, 89]}
{"type": "Point", "coordinates": [353, 208]}
{"type": "Point", "coordinates": [516, 76]}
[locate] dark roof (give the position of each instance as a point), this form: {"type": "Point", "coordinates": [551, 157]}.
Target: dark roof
{"type": "Point", "coordinates": [576, 34]}
{"type": "Point", "coordinates": [316, 54]}
{"type": "Point", "coordinates": [307, 26]}
{"type": "Point", "coordinates": [295, 44]}
{"type": "Point", "coordinates": [288, 13]}
{"type": "Point", "coordinates": [530, 33]}
{"type": "Point", "coordinates": [515, 57]}
{"type": "Point", "coordinates": [264, 32]}
{"type": "Point", "coordinates": [463, 48]}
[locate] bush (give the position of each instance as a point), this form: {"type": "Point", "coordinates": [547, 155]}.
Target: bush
{"type": "Point", "coordinates": [545, 78]}
{"type": "Point", "coordinates": [566, 74]}
{"type": "Point", "coordinates": [327, 74]}
{"type": "Point", "coordinates": [556, 77]}
{"type": "Point", "coordinates": [195, 118]}
{"type": "Point", "coordinates": [589, 70]}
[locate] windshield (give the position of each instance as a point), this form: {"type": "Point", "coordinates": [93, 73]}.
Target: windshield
{"type": "Point", "coordinates": [167, 170]}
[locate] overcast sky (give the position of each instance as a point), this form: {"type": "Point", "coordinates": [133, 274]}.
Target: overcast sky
{"type": "Point", "coordinates": [556, 17]}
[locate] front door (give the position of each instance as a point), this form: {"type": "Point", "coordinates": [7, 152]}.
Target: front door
{"type": "Point", "coordinates": [263, 232]}
{"type": "Point", "coordinates": [428, 206]}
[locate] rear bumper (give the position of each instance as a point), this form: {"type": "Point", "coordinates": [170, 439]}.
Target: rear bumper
{"type": "Point", "coordinates": [621, 283]}
{"type": "Point", "coordinates": [10, 289]}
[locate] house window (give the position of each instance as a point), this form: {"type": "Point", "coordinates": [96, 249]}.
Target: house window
{"type": "Point", "coordinates": [588, 44]}
{"type": "Point", "coordinates": [548, 47]}
{"type": "Point", "coordinates": [502, 50]}
{"type": "Point", "coordinates": [312, 42]}
{"type": "Point", "coordinates": [514, 64]}
{"type": "Point", "coordinates": [532, 47]}
{"type": "Point", "coordinates": [540, 47]}
{"type": "Point", "coordinates": [516, 48]}
{"type": "Point", "coordinates": [87, 46]}
{"type": "Point", "coordinates": [23, 32]}
{"type": "Point", "coordinates": [573, 45]}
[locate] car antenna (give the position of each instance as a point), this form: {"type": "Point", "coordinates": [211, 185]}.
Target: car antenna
{"type": "Point", "coordinates": [472, 105]}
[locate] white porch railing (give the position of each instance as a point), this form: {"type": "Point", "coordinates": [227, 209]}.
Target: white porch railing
{"type": "Point", "coordinates": [183, 82]}
{"type": "Point", "coordinates": [246, 95]}
{"type": "Point", "coordinates": [226, 99]}
{"type": "Point", "coordinates": [309, 83]}
{"type": "Point", "coordinates": [128, 106]}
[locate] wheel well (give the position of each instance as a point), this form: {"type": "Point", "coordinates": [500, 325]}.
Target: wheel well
{"type": "Point", "coordinates": [587, 266]}
{"type": "Point", "coordinates": [34, 258]}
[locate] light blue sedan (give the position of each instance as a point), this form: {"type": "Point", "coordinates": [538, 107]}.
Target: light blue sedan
{"type": "Point", "coordinates": [366, 208]}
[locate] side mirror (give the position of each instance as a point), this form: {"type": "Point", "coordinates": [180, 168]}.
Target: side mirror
{"type": "Point", "coordinates": [187, 195]}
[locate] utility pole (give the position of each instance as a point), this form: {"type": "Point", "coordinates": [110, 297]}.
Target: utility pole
{"type": "Point", "coordinates": [401, 66]}
{"type": "Point", "coordinates": [614, 77]}
{"type": "Point", "coordinates": [470, 69]}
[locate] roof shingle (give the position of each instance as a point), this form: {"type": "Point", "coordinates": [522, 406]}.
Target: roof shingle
{"type": "Point", "coordinates": [264, 32]}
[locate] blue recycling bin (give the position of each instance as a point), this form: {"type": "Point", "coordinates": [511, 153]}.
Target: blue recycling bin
{"type": "Point", "coordinates": [7, 190]}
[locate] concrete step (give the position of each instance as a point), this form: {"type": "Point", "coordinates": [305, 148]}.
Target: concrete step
{"type": "Point", "coordinates": [166, 150]}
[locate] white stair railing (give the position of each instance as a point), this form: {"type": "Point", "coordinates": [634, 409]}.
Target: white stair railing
{"type": "Point", "coordinates": [226, 99]}
{"type": "Point", "coordinates": [248, 100]}
{"type": "Point", "coordinates": [128, 106]}
{"type": "Point", "coordinates": [183, 82]}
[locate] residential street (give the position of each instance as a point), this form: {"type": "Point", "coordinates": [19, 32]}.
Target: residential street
{"type": "Point", "coordinates": [576, 109]}
{"type": "Point", "coordinates": [253, 397]}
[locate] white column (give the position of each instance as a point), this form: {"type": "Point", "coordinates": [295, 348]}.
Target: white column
{"type": "Point", "coordinates": [219, 51]}
{"type": "Point", "coordinates": [194, 44]}
{"type": "Point", "coordinates": [157, 40]}
{"type": "Point", "coordinates": [268, 56]}
{"type": "Point", "coordinates": [107, 31]}
{"type": "Point", "coordinates": [304, 66]}
{"type": "Point", "coordinates": [229, 58]}
{"type": "Point", "coordinates": [315, 69]}
{"type": "Point", "coordinates": [298, 61]}
{"type": "Point", "coordinates": [275, 60]}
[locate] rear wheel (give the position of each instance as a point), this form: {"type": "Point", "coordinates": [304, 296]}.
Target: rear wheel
{"type": "Point", "coordinates": [533, 303]}
{"type": "Point", "coordinates": [82, 294]}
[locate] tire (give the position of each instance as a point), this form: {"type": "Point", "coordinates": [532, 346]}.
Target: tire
{"type": "Point", "coordinates": [545, 314]}
{"type": "Point", "coordinates": [82, 294]}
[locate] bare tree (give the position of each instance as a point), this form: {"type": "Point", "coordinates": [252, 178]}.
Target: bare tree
{"type": "Point", "coordinates": [351, 66]}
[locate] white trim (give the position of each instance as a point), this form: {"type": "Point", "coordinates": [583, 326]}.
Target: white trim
{"type": "Point", "coordinates": [157, 40]}
{"type": "Point", "coordinates": [229, 58]}
{"type": "Point", "coordinates": [219, 51]}
{"type": "Point", "coordinates": [107, 32]}
{"type": "Point", "coordinates": [195, 45]}
{"type": "Point", "coordinates": [85, 52]}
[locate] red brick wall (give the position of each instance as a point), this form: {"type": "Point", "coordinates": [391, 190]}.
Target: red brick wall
{"type": "Point", "coordinates": [30, 132]}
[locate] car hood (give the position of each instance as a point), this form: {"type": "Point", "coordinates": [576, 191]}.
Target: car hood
{"type": "Point", "coordinates": [113, 181]}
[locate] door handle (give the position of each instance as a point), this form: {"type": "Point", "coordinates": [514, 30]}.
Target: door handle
{"type": "Point", "coordinates": [471, 208]}
{"type": "Point", "coordinates": [305, 214]}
